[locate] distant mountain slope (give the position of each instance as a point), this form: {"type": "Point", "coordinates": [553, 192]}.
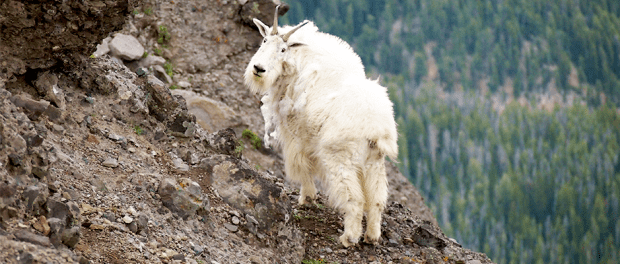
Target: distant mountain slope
{"type": "Point", "coordinates": [531, 42]}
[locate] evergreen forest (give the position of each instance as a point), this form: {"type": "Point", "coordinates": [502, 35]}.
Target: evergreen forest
{"type": "Point", "coordinates": [503, 175]}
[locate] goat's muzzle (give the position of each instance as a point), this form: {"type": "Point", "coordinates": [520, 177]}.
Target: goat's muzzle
{"type": "Point", "coordinates": [258, 70]}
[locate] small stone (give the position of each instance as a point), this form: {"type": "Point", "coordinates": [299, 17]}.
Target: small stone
{"type": "Point", "coordinates": [180, 257]}
{"type": "Point", "coordinates": [115, 137]}
{"type": "Point", "coordinates": [141, 72]}
{"type": "Point", "coordinates": [126, 47]}
{"type": "Point", "coordinates": [110, 163]}
{"type": "Point", "coordinates": [231, 228]}
{"type": "Point", "coordinates": [26, 236]}
{"type": "Point", "coordinates": [96, 227]}
{"type": "Point", "coordinates": [184, 84]}
{"type": "Point", "coordinates": [235, 220]}
{"type": "Point", "coordinates": [127, 219]}
{"type": "Point", "coordinates": [42, 226]}
{"type": "Point", "coordinates": [92, 139]}
{"type": "Point", "coordinates": [151, 60]}
{"type": "Point", "coordinates": [71, 237]}
{"type": "Point", "coordinates": [475, 261]}
{"type": "Point", "coordinates": [198, 249]}
{"type": "Point", "coordinates": [161, 74]}
{"type": "Point", "coordinates": [84, 260]}
{"type": "Point", "coordinates": [180, 165]}
{"type": "Point", "coordinates": [99, 185]}
{"type": "Point", "coordinates": [58, 128]}
{"type": "Point", "coordinates": [328, 250]}
{"type": "Point", "coordinates": [133, 227]}
{"type": "Point", "coordinates": [102, 48]}
{"type": "Point", "coordinates": [88, 209]}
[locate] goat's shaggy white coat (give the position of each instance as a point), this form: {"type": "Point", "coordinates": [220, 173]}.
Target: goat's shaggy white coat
{"type": "Point", "coordinates": [332, 123]}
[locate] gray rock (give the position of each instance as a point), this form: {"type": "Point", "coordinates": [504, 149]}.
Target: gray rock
{"type": "Point", "coordinates": [110, 163]}
{"type": "Point", "coordinates": [69, 212]}
{"type": "Point", "coordinates": [180, 257]}
{"type": "Point", "coordinates": [36, 197]}
{"type": "Point", "coordinates": [475, 261]}
{"type": "Point", "coordinates": [180, 165]}
{"type": "Point", "coordinates": [198, 249]}
{"type": "Point", "coordinates": [56, 228]}
{"type": "Point", "coordinates": [33, 108]}
{"type": "Point", "coordinates": [225, 142]}
{"type": "Point", "coordinates": [29, 237]}
{"type": "Point", "coordinates": [141, 222]}
{"type": "Point", "coordinates": [133, 227]}
{"type": "Point", "coordinates": [99, 185]}
{"type": "Point", "coordinates": [126, 47]}
{"type": "Point", "coordinates": [71, 237]}
{"type": "Point", "coordinates": [47, 85]}
{"type": "Point", "coordinates": [103, 48]}
{"type": "Point", "coordinates": [116, 137]}
{"type": "Point", "coordinates": [127, 219]}
{"type": "Point", "coordinates": [151, 60]}
{"type": "Point", "coordinates": [183, 198]}
{"type": "Point", "coordinates": [184, 84]}
{"type": "Point", "coordinates": [235, 220]}
{"type": "Point", "coordinates": [231, 228]}
{"type": "Point", "coordinates": [161, 74]}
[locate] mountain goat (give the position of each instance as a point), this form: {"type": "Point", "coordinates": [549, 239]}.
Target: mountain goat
{"type": "Point", "coordinates": [332, 123]}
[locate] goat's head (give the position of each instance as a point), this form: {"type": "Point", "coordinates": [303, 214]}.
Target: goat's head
{"type": "Point", "coordinates": [270, 60]}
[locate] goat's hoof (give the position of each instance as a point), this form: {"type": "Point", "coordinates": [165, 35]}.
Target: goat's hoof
{"type": "Point", "coordinates": [348, 241]}
{"type": "Point", "coordinates": [370, 239]}
{"type": "Point", "coordinates": [305, 200]}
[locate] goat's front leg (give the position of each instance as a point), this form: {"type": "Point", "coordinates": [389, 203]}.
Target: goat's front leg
{"type": "Point", "coordinates": [300, 168]}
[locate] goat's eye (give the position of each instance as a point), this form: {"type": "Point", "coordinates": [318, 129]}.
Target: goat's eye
{"type": "Point", "coordinates": [265, 40]}
{"type": "Point", "coordinates": [283, 49]}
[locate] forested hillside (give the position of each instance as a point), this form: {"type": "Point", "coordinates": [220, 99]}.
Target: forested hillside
{"type": "Point", "coordinates": [523, 185]}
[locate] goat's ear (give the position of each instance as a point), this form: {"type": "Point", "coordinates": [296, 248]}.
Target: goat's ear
{"type": "Point", "coordinates": [261, 27]}
{"type": "Point", "coordinates": [295, 44]}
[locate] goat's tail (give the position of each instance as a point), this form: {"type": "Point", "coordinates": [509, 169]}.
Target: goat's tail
{"type": "Point", "coordinates": [388, 146]}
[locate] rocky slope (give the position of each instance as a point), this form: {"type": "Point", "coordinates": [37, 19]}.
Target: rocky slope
{"type": "Point", "coordinates": [101, 162]}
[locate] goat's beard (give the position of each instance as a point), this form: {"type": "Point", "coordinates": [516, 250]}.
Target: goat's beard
{"type": "Point", "coordinates": [259, 84]}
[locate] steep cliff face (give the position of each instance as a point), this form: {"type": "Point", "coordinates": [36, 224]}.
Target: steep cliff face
{"type": "Point", "coordinates": [101, 162]}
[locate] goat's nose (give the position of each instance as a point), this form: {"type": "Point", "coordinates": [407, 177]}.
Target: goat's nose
{"type": "Point", "coordinates": [258, 68]}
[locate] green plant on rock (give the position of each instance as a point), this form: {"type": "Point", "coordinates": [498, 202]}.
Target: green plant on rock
{"type": "Point", "coordinates": [168, 68]}
{"type": "Point", "coordinates": [239, 149]}
{"type": "Point", "coordinates": [163, 35]}
{"type": "Point", "coordinates": [257, 143]}
{"type": "Point", "coordinates": [138, 130]}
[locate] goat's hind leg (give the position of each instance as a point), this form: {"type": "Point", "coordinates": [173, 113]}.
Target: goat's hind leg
{"type": "Point", "coordinates": [345, 193]}
{"type": "Point", "coordinates": [376, 194]}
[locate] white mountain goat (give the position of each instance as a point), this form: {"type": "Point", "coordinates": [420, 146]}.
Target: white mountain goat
{"type": "Point", "coordinates": [332, 123]}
